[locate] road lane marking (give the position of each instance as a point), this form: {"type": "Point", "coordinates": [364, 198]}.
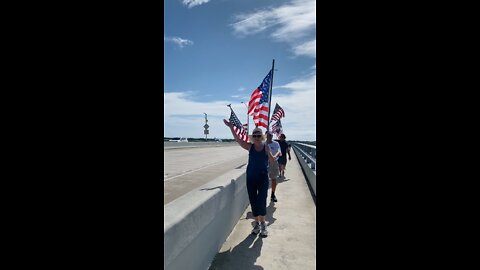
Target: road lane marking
{"type": "Point", "coordinates": [191, 171]}
{"type": "Point", "coordinates": [194, 146]}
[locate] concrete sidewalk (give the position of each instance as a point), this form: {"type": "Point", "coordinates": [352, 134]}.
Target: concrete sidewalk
{"type": "Point", "coordinates": [291, 241]}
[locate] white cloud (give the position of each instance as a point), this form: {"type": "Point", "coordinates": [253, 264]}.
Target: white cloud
{"type": "Point", "coordinates": [296, 20]}
{"type": "Point", "coordinates": [299, 105]}
{"type": "Point", "coordinates": [184, 117]}
{"type": "Point", "coordinates": [248, 24]}
{"type": "Point", "coordinates": [241, 98]}
{"type": "Point", "coordinates": [192, 3]}
{"type": "Point", "coordinates": [179, 41]}
{"type": "Point", "coordinates": [306, 84]}
{"type": "Point", "coordinates": [241, 89]}
{"type": "Point", "coordinates": [307, 48]}
{"type": "Point", "coordinates": [294, 23]}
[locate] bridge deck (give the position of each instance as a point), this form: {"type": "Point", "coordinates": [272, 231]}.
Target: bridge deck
{"type": "Point", "coordinates": [188, 165]}
{"type": "Point", "coordinates": [291, 242]}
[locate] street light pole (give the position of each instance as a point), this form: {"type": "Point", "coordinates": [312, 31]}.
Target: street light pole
{"type": "Point", "coordinates": [206, 127]}
{"type": "Point", "coordinates": [247, 115]}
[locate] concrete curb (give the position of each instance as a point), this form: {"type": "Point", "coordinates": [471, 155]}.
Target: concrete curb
{"type": "Point", "coordinates": [197, 224]}
{"type": "Point", "coordinates": [309, 174]}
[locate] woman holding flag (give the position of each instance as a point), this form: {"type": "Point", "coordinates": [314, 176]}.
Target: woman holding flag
{"type": "Point", "coordinates": [257, 175]}
{"type": "Point", "coordinates": [259, 153]}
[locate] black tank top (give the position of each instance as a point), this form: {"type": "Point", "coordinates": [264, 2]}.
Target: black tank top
{"type": "Point", "coordinates": [257, 161]}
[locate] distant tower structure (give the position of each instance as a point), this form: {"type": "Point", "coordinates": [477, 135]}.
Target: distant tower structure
{"type": "Point", "coordinates": [206, 127]}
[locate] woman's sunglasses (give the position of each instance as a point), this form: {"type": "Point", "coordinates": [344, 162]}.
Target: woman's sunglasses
{"type": "Point", "coordinates": [256, 136]}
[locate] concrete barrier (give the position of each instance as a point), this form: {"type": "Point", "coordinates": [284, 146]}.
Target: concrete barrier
{"type": "Point", "coordinates": [197, 224]}
{"type": "Point", "coordinates": [309, 174]}
{"type": "Point", "coordinates": [173, 145]}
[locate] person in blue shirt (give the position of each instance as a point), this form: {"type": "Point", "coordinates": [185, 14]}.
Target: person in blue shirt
{"type": "Point", "coordinates": [257, 175]}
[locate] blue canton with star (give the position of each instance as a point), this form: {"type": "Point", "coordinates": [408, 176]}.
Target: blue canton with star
{"type": "Point", "coordinates": [265, 88]}
{"type": "Point", "coordinates": [235, 121]}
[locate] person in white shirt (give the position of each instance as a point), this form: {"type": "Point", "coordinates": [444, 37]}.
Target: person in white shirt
{"type": "Point", "coordinates": [273, 170]}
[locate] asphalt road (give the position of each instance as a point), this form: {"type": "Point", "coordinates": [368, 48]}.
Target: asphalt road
{"type": "Point", "coordinates": [188, 167]}
{"type": "Point", "coordinates": [172, 145]}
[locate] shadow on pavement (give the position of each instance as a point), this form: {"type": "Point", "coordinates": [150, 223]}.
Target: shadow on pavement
{"type": "Point", "coordinates": [279, 181]}
{"type": "Point", "coordinates": [239, 167]}
{"type": "Point", "coordinates": [269, 217]}
{"type": "Point", "coordinates": [270, 210]}
{"type": "Point", "coordinates": [249, 215]}
{"type": "Point", "coordinates": [282, 179]}
{"type": "Point", "coordinates": [219, 187]}
{"type": "Point", "coordinates": [242, 256]}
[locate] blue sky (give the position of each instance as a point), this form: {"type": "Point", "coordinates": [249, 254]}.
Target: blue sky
{"type": "Point", "coordinates": [218, 51]}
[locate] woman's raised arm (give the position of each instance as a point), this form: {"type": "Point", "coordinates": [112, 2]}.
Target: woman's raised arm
{"type": "Point", "coordinates": [245, 145]}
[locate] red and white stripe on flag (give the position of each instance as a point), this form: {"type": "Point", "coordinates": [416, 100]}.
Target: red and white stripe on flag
{"type": "Point", "coordinates": [278, 112]}
{"type": "Point", "coordinates": [241, 133]}
{"type": "Point", "coordinates": [258, 104]}
{"type": "Point", "coordinates": [258, 110]}
{"type": "Point", "coordinates": [277, 128]}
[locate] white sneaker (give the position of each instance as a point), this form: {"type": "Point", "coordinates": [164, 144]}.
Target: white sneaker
{"type": "Point", "coordinates": [256, 229]}
{"type": "Point", "coordinates": [264, 231]}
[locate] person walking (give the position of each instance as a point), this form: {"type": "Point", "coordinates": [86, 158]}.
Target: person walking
{"type": "Point", "coordinates": [257, 175]}
{"type": "Point", "coordinates": [282, 160]}
{"type": "Point", "coordinates": [273, 170]}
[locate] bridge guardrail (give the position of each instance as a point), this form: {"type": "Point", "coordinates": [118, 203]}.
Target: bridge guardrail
{"type": "Point", "coordinates": [307, 157]}
{"type": "Point", "coordinates": [309, 153]}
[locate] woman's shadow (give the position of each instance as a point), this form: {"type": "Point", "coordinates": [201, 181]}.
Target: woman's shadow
{"type": "Point", "coordinates": [268, 218]}
{"type": "Point", "coordinates": [282, 179]}
{"type": "Point", "coordinates": [270, 210]}
{"type": "Point", "coordinates": [242, 256]}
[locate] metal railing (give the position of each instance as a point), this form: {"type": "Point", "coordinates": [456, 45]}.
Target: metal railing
{"type": "Point", "coordinates": [308, 153]}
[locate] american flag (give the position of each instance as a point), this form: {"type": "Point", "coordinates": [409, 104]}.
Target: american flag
{"type": "Point", "coordinates": [278, 113]}
{"type": "Point", "coordinates": [245, 126]}
{"type": "Point", "coordinates": [277, 128]}
{"type": "Point", "coordinates": [258, 104]}
{"type": "Point", "coordinates": [237, 126]}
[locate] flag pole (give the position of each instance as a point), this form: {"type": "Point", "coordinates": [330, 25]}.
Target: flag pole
{"type": "Point", "coordinates": [247, 114]}
{"type": "Point", "coordinates": [270, 95]}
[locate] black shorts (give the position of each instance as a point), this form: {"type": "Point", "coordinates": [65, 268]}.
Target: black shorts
{"type": "Point", "coordinates": [282, 160]}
